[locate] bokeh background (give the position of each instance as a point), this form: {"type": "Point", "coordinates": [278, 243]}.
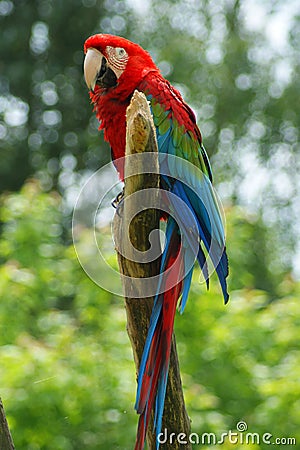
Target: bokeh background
{"type": "Point", "coordinates": [67, 376]}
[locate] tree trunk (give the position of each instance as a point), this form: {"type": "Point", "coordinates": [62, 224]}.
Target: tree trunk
{"type": "Point", "coordinates": [140, 138]}
{"type": "Point", "coordinates": [6, 442]}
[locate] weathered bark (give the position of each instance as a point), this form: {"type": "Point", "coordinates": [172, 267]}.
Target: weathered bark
{"type": "Point", "coordinates": [141, 138]}
{"type": "Point", "coordinates": [6, 442]}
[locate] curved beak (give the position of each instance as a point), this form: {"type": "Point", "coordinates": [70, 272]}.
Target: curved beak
{"type": "Point", "coordinates": [92, 66]}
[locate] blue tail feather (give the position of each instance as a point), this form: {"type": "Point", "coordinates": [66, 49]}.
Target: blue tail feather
{"type": "Point", "coordinates": [216, 252]}
{"type": "Point", "coordinates": [186, 288]}
{"type": "Point", "coordinates": [156, 311]}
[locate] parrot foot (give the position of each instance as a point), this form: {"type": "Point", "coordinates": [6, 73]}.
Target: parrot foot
{"type": "Point", "coordinates": [117, 202]}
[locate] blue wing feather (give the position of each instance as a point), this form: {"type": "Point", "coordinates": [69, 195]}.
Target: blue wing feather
{"type": "Point", "coordinates": [197, 192]}
{"type": "Point", "coordinates": [192, 189]}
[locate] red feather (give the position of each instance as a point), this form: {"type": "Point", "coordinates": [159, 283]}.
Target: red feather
{"type": "Point", "coordinates": [160, 350]}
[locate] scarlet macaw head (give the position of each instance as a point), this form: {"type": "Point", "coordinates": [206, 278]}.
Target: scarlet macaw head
{"type": "Point", "coordinates": [114, 62]}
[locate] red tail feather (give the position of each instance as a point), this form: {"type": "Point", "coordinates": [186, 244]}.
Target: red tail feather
{"type": "Point", "coordinates": [159, 354]}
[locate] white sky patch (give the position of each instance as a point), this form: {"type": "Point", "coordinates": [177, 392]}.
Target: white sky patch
{"type": "Point", "coordinates": [279, 24]}
{"type": "Point", "coordinates": [39, 41]}
{"type": "Point", "coordinates": [15, 111]}
{"type": "Point", "coordinates": [282, 71]}
{"type": "Point", "coordinates": [275, 22]}
{"type": "Point", "coordinates": [255, 180]}
{"type": "Point", "coordinates": [283, 186]}
{"type": "Point", "coordinates": [296, 267]}
{"type": "Point", "coordinates": [254, 13]}
{"type": "Point", "coordinates": [140, 6]}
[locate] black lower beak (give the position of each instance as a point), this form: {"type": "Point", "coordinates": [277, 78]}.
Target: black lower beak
{"type": "Point", "coordinates": [106, 77]}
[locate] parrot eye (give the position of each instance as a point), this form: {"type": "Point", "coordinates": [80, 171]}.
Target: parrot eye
{"type": "Point", "coordinates": [120, 52]}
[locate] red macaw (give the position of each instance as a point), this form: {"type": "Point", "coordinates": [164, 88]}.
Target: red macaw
{"type": "Point", "coordinates": [114, 68]}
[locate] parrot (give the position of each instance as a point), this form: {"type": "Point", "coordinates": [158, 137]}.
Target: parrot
{"type": "Point", "coordinates": [114, 68]}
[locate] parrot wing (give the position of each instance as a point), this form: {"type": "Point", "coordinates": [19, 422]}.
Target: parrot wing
{"type": "Point", "coordinates": [179, 136]}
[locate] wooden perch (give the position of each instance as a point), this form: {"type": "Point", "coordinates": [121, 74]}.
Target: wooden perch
{"type": "Point", "coordinates": [6, 442]}
{"type": "Point", "coordinates": [141, 138]}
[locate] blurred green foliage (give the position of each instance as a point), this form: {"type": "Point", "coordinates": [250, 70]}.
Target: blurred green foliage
{"type": "Point", "coordinates": [67, 375]}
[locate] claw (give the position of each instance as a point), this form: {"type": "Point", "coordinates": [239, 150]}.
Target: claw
{"type": "Point", "coordinates": [118, 201]}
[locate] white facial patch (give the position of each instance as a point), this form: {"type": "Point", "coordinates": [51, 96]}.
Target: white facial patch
{"type": "Point", "coordinates": [117, 58]}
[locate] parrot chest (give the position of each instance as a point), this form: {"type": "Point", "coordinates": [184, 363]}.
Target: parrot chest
{"type": "Point", "coordinates": [112, 117]}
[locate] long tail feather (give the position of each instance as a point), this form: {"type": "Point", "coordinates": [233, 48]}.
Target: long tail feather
{"type": "Point", "coordinates": [154, 367]}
